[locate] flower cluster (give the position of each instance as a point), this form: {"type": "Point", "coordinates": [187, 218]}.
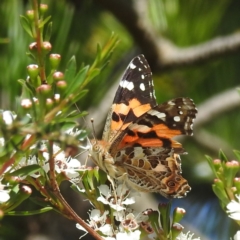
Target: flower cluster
{"type": "Point", "coordinates": [119, 221]}
{"type": "Point", "coordinates": [227, 185]}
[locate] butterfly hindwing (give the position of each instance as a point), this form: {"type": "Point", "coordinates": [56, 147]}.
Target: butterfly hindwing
{"type": "Point", "coordinates": [153, 170]}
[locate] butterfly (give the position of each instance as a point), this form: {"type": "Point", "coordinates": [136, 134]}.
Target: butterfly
{"type": "Point", "coordinates": [137, 145]}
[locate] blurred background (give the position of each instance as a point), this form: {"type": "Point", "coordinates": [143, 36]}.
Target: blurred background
{"type": "Point", "coordinates": [193, 48]}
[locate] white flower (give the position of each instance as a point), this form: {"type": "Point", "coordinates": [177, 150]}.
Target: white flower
{"type": "Point", "coordinates": [98, 222]}
{"type": "Point", "coordinates": [106, 230]}
{"type": "Point", "coordinates": [8, 117]}
{"type": "Point", "coordinates": [237, 236]}
{"type": "Point", "coordinates": [96, 216]}
{"type": "Point", "coordinates": [69, 166]}
{"type": "Point", "coordinates": [31, 160]}
{"type": "Point", "coordinates": [135, 235]}
{"type": "Point", "coordinates": [117, 200]}
{"type": "Point", "coordinates": [2, 142]}
{"type": "Point", "coordinates": [187, 236]}
{"type": "Point", "coordinates": [83, 229]}
{"type": "Point", "coordinates": [108, 198]}
{"type": "Point", "coordinates": [4, 196]}
{"type": "Point", "coordinates": [233, 208]}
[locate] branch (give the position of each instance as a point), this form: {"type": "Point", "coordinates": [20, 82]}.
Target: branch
{"type": "Point", "coordinates": [161, 53]}
{"type": "Point", "coordinates": [217, 105]}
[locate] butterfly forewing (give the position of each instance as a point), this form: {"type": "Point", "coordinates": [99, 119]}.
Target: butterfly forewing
{"type": "Point", "coordinates": [134, 97]}
{"type": "Point", "coordinates": [136, 83]}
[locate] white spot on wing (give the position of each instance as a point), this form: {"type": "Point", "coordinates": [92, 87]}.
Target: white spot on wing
{"type": "Point", "coordinates": [140, 128]}
{"type": "Point", "coordinates": [142, 87]}
{"type": "Point", "coordinates": [132, 66]}
{"type": "Point", "coordinates": [154, 93]}
{"type": "Point", "coordinates": [142, 76]}
{"type": "Point", "coordinates": [156, 113]}
{"type": "Point", "coordinates": [177, 119]}
{"type": "Point", "coordinates": [127, 84]}
{"type": "Point", "coordinates": [171, 103]}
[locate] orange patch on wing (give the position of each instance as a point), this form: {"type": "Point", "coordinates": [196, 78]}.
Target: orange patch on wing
{"type": "Point", "coordinates": [121, 108]}
{"type": "Point", "coordinates": [140, 110]}
{"type": "Point", "coordinates": [134, 104]}
{"type": "Point", "coordinates": [163, 131]}
{"type": "Point", "coordinates": [115, 126]}
{"type": "Point", "coordinates": [124, 109]}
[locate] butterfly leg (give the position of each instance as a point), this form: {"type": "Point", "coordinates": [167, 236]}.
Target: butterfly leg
{"type": "Point", "coordinates": [113, 186]}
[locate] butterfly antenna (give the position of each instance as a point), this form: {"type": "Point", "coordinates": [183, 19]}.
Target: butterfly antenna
{"type": "Point", "coordinates": [93, 133]}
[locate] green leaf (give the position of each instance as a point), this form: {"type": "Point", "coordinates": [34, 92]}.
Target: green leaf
{"type": "Point", "coordinates": [67, 125]}
{"type": "Point", "coordinates": [222, 156]}
{"type": "Point", "coordinates": [94, 73]}
{"type": "Point", "coordinates": [48, 33]}
{"type": "Point", "coordinates": [17, 196]}
{"type": "Point", "coordinates": [76, 82]}
{"type": "Point", "coordinates": [237, 154]}
{"type": "Point", "coordinates": [79, 96]}
{"type": "Point", "coordinates": [27, 90]}
{"type": "Point", "coordinates": [27, 170]}
{"type": "Point", "coordinates": [30, 55]}
{"type": "Point", "coordinates": [90, 179]}
{"type": "Point", "coordinates": [210, 163]}
{"type": "Point", "coordinates": [76, 114]}
{"type": "Point", "coordinates": [26, 25]}
{"type": "Point", "coordinates": [71, 119]}
{"type": "Point", "coordinates": [81, 75]}
{"type": "Point", "coordinates": [29, 213]}
{"type": "Point", "coordinates": [77, 189]}
{"type": "Point", "coordinates": [44, 21]}
{"type": "Point", "coordinates": [102, 176]}
{"type": "Point", "coordinates": [85, 181]}
{"type": "Point", "coordinates": [71, 70]}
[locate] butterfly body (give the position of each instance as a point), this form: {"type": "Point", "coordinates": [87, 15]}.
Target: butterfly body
{"type": "Point", "coordinates": [137, 145]}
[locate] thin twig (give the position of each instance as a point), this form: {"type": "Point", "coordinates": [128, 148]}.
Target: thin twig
{"type": "Point", "coordinates": [38, 39]}
{"type": "Point", "coordinates": [67, 210]}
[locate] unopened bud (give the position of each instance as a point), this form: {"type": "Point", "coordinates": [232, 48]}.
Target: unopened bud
{"type": "Point", "coordinates": [178, 214]}
{"type": "Point", "coordinates": [54, 60]}
{"type": "Point", "coordinates": [58, 76]}
{"type": "Point", "coordinates": [57, 97]}
{"type": "Point", "coordinates": [43, 8]}
{"type": "Point", "coordinates": [30, 15]}
{"type": "Point", "coordinates": [47, 47]}
{"type": "Point", "coordinates": [44, 89]}
{"type": "Point", "coordinates": [33, 71]}
{"type": "Point", "coordinates": [176, 230]}
{"type": "Point", "coordinates": [236, 183]}
{"type": "Point", "coordinates": [49, 103]}
{"type": "Point", "coordinates": [26, 103]}
{"type": "Point", "coordinates": [33, 46]}
{"type": "Point", "coordinates": [230, 170]}
{"type": "Point", "coordinates": [219, 190]}
{"type": "Point", "coordinates": [26, 189]}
